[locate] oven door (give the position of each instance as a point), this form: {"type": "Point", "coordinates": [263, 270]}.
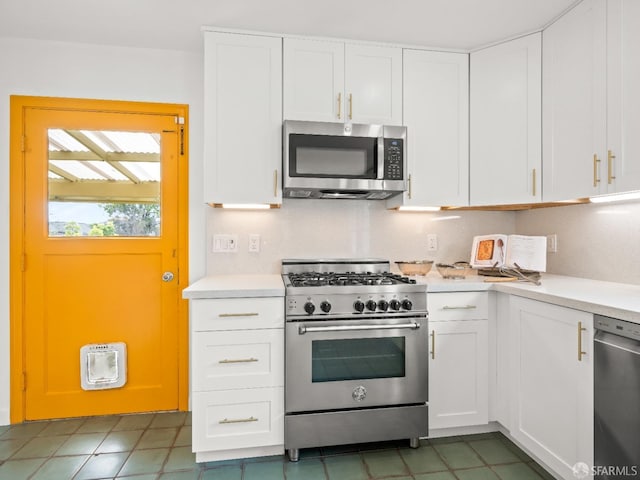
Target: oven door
{"type": "Point", "coordinates": [361, 363]}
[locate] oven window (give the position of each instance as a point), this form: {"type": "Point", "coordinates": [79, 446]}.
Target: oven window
{"type": "Point", "coordinates": [330, 156]}
{"type": "Point", "coordinates": [357, 359]}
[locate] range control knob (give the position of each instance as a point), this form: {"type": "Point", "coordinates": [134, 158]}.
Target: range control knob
{"type": "Point", "coordinates": [394, 304]}
{"type": "Point", "coordinates": [406, 304]}
{"type": "Point", "coordinates": [309, 308]}
{"type": "Point", "coordinates": [325, 306]}
{"type": "Point", "coordinates": [358, 306]}
{"type": "Point", "coordinates": [371, 305]}
{"type": "Point", "coordinates": [383, 305]}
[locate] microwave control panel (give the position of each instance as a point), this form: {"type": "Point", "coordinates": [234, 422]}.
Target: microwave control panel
{"type": "Point", "coordinates": [393, 161]}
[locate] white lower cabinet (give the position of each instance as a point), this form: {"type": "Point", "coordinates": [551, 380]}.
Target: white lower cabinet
{"type": "Point", "coordinates": [552, 383]}
{"type": "Point", "coordinates": [458, 360]}
{"type": "Point", "coordinates": [237, 359]}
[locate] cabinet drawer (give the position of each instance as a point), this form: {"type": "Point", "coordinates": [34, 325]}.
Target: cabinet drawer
{"type": "Point", "coordinates": [237, 313]}
{"type": "Point", "coordinates": [238, 359]}
{"type": "Point", "coordinates": [238, 419]}
{"type": "Point", "coordinates": [458, 306]}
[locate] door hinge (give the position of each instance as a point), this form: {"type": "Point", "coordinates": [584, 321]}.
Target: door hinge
{"type": "Point", "coordinates": [182, 139]}
{"type": "Point", "coordinates": [24, 381]}
{"type": "Point", "coordinates": [23, 262]}
{"type": "Point", "coordinates": [23, 143]}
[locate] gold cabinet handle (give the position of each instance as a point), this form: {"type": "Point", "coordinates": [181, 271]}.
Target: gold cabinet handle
{"type": "Point", "coordinates": [275, 183]}
{"type": "Point", "coordinates": [610, 158]}
{"type": "Point", "coordinates": [226, 315]}
{"type": "Point", "coordinates": [239, 420]}
{"type": "Point", "coordinates": [464, 307]}
{"type": "Point", "coordinates": [339, 105]}
{"type": "Point", "coordinates": [433, 344]}
{"type": "Point", "coordinates": [596, 160]}
{"type": "Point", "coordinates": [409, 187]}
{"type": "Point", "coordinates": [239, 360]}
{"type": "Point", "coordinates": [580, 352]}
{"type": "Point", "coordinates": [534, 182]}
{"type": "Point", "coordinates": [350, 106]}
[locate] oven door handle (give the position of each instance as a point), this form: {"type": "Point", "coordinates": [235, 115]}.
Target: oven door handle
{"type": "Point", "coordinates": [302, 329]}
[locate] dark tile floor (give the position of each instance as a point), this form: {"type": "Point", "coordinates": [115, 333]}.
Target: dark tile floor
{"type": "Point", "coordinates": [158, 446]}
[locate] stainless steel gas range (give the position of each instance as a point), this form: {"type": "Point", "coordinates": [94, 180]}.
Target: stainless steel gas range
{"type": "Point", "coordinates": [356, 341]}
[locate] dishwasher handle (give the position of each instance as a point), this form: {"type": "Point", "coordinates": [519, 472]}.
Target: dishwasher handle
{"type": "Point", "coordinates": [616, 341]}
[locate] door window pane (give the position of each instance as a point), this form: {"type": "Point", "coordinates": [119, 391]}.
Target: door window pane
{"type": "Point", "coordinates": [104, 183]}
{"type": "Point", "coordinates": [357, 359]}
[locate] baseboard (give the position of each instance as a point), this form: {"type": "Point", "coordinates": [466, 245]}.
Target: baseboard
{"type": "Point", "coordinates": [5, 418]}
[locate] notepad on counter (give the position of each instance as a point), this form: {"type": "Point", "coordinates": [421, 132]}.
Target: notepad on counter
{"type": "Point", "coordinates": [512, 251]}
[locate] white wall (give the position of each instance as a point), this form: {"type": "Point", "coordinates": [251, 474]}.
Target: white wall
{"type": "Point", "coordinates": [59, 69]}
{"type": "Point", "coordinates": [594, 241]}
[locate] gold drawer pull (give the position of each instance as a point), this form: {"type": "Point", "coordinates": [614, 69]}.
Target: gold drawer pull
{"type": "Point", "coordinates": [239, 420]}
{"type": "Point", "coordinates": [239, 360]}
{"type": "Point", "coordinates": [596, 160]}
{"type": "Point", "coordinates": [610, 158]}
{"type": "Point", "coordinates": [339, 105]}
{"type": "Point", "coordinates": [350, 106]}
{"type": "Point", "coordinates": [226, 315]}
{"type": "Point", "coordinates": [275, 183]}
{"type": "Point", "coordinates": [433, 344]}
{"type": "Point", "coordinates": [580, 352]}
{"type": "Point", "coordinates": [464, 307]}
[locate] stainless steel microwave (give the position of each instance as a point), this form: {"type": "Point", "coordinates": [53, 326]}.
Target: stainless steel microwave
{"type": "Point", "coordinates": [338, 160]}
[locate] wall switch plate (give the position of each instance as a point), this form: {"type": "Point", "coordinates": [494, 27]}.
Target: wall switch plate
{"type": "Point", "coordinates": [254, 242]}
{"type": "Point", "coordinates": [552, 243]}
{"type": "Point", "coordinates": [225, 243]}
{"type": "Point", "coordinates": [432, 242]}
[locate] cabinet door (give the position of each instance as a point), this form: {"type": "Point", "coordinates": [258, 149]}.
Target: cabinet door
{"type": "Point", "coordinates": [313, 80]}
{"type": "Point", "coordinates": [436, 114]}
{"type": "Point", "coordinates": [574, 103]}
{"type": "Point", "coordinates": [373, 84]}
{"type": "Point", "coordinates": [242, 118]}
{"type": "Point", "coordinates": [622, 173]}
{"type": "Point", "coordinates": [458, 374]}
{"type": "Point", "coordinates": [505, 123]}
{"type": "Point", "coordinates": [552, 403]}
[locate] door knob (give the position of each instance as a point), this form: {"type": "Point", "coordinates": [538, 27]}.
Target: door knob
{"type": "Point", "coordinates": [167, 276]}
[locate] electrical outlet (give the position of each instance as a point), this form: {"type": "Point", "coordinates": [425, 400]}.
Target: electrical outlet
{"type": "Point", "coordinates": [254, 242]}
{"type": "Point", "coordinates": [432, 242]}
{"type": "Point", "coordinates": [552, 243]}
{"type": "Point", "coordinates": [225, 243]}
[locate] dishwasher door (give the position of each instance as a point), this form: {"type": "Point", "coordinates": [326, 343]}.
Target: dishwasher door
{"type": "Point", "coordinates": [617, 398]}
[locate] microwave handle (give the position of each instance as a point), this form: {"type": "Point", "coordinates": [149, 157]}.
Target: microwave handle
{"type": "Point", "coordinates": [381, 159]}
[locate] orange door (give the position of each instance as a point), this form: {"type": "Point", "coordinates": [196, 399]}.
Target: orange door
{"type": "Point", "coordinates": [99, 287]}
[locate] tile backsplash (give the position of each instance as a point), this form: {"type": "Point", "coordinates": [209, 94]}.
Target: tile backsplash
{"type": "Point", "coordinates": [345, 228]}
{"type": "Point", "coordinates": [594, 241]}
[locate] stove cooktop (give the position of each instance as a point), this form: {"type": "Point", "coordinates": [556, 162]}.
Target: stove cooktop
{"type": "Point", "coordinates": [322, 279]}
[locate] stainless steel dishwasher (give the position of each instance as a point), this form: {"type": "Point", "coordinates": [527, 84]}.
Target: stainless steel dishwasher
{"type": "Point", "coordinates": [616, 398]}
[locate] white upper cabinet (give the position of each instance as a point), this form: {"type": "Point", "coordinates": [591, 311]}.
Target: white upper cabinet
{"type": "Point", "coordinates": [373, 84]}
{"type": "Point", "coordinates": [242, 118]}
{"type": "Point", "coordinates": [622, 169]}
{"type": "Point", "coordinates": [505, 164]}
{"type": "Point", "coordinates": [436, 114]}
{"type": "Point", "coordinates": [574, 103]}
{"type": "Point", "coordinates": [332, 82]}
{"type": "Point", "coordinates": [313, 80]}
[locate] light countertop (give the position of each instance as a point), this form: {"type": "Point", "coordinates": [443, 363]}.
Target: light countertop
{"type": "Point", "coordinates": [236, 286]}
{"type": "Point", "coordinates": [619, 300]}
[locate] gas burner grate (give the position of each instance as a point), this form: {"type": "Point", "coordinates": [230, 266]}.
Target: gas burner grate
{"type": "Point", "coordinates": [316, 279]}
